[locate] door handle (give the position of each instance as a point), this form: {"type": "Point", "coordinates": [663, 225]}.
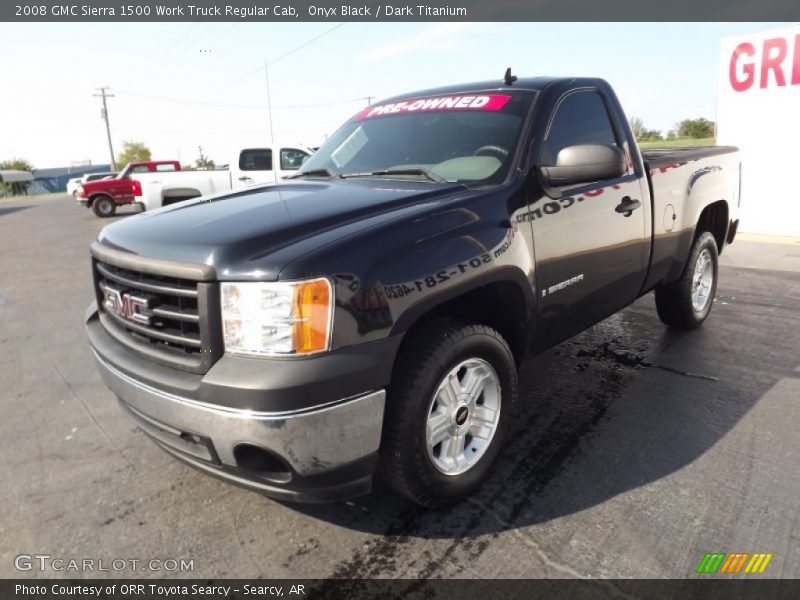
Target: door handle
{"type": "Point", "coordinates": [245, 178]}
{"type": "Point", "coordinates": [627, 206]}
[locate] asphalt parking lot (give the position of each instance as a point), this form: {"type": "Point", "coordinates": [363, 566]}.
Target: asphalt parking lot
{"type": "Point", "coordinates": [637, 449]}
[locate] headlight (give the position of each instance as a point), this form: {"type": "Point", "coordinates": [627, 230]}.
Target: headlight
{"type": "Point", "coordinates": [277, 318]}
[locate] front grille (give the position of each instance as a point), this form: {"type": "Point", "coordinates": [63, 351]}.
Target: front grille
{"type": "Point", "coordinates": [171, 320]}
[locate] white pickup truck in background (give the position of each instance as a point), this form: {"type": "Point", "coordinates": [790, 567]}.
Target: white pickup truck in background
{"type": "Point", "coordinates": [252, 166]}
{"type": "Point", "coordinates": [72, 184]}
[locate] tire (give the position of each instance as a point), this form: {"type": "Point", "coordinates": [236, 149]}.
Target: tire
{"type": "Point", "coordinates": [103, 206]}
{"type": "Point", "coordinates": [683, 304]}
{"type": "Point", "coordinates": [435, 350]}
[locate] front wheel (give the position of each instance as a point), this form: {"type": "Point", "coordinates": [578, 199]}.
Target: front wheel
{"type": "Point", "coordinates": [104, 206]}
{"type": "Point", "coordinates": [449, 408]}
{"type": "Point", "coordinates": [685, 303]}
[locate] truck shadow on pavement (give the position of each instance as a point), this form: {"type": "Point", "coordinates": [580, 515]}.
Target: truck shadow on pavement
{"type": "Point", "coordinates": [622, 405]}
{"type": "Point", "coordinates": [7, 210]}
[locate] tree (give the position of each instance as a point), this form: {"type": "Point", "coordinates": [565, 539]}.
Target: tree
{"type": "Point", "coordinates": [695, 128]}
{"type": "Point", "coordinates": [642, 133]}
{"type": "Point", "coordinates": [17, 187]}
{"type": "Point", "coordinates": [16, 164]}
{"type": "Point", "coordinates": [652, 135]}
{"type": "Point", "coordinates": [637, 127]}
{"type": "Point", "coordinates": [132, 151]}
{"type": "Point", "coordinates": [203, 162]}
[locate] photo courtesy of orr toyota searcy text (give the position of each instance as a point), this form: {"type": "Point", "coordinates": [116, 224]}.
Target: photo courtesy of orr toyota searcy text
{"type": "Point", "coordinates": [157, 590]}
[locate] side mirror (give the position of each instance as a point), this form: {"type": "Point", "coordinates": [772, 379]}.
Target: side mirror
{"type": "Point", "coordinates": [585, 163]}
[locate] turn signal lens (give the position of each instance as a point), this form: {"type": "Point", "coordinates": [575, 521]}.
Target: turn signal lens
{"type": "Point", "coordinates": [312, 312]}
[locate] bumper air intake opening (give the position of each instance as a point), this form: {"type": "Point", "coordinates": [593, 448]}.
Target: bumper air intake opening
{"type": "Point", "coordinates": [261, 463]}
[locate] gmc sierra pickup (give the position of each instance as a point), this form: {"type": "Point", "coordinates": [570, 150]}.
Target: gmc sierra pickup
{"type": "Point", "coordinates": [370, 314]}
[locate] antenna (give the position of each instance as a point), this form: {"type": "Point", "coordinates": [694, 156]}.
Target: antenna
{"type": "Point", "coordinates": [508, 78]}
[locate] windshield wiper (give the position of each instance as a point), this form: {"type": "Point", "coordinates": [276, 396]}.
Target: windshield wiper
{"type": "Point", "coordinates": [323, 172]}
{"type": "Point", "coordinates": [425, 172]}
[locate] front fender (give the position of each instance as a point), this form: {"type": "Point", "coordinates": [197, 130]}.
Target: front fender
{"type": "Point", "coordinates": [398, 274]}
{"type": "Point", "coordinates": [428, 304]}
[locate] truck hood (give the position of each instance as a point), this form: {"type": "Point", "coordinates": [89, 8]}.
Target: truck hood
{"type": "Point", "coordinates": [253, 234]}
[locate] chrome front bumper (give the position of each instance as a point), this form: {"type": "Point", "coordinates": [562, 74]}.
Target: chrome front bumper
{"type": "Point", "coordinates": [312, 442]}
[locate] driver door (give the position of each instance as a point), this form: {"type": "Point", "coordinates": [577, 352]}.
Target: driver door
{"type": "Point", "coordinates": [254, 167]}
{"type": "Point", "coordinates": [591, 259]}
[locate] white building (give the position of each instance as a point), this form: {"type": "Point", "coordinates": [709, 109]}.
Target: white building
{"type": "Point", "coordinates": [759, 111]}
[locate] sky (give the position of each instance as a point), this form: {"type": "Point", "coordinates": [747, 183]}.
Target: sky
{"type": "Point", "coordinates": [178, 86]}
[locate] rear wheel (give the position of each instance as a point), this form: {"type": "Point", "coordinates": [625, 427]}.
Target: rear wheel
{"type": "Point", "coordinates": [685, 303]}
{"type": "Point", "coordinates": [104, 206]}
{"type": "Point", "coordinates": [448, 412]}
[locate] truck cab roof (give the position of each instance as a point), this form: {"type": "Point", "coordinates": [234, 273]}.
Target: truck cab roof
{"type": "Point", "coordinates": [523, 83]}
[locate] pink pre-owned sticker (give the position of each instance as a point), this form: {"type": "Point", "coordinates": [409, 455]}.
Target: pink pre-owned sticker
{"type": "Point", "coordinates": [493, 102]}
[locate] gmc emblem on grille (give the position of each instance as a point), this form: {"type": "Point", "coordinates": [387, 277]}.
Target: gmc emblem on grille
{"type": "Point", "coordinates": [124, 304]}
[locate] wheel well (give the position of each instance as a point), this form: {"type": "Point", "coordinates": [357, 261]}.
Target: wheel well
{"type": "Point", "coordinates": [500, 305]}
{"type": "Point", "coordinates": [178, 195]}
{"type": "Point", "coordinates": [91, 199]}
{"type": "Point", "coordinates": [714, 219]}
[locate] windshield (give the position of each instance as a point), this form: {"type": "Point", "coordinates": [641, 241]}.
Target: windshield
{"type": "Point", "coordinates": [466, 137]}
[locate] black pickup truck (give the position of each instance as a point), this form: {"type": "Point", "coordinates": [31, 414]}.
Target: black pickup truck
{"type": "Point", "coordinates": [370, 313]}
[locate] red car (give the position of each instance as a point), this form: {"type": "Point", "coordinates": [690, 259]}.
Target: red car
{"type": "Point", "coordinates": [103, 196]}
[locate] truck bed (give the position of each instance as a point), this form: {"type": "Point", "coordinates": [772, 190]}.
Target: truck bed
{"type": "Point", "coordinates": [660, 157]}
{"type": "Point", "coordinates": [683, 181]}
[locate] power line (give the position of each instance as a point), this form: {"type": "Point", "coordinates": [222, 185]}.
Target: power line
{"type": "Point", "coordinates": [185, 42]}
{"type": "Point", "coordinates": [245, 76]}
{"type": "Point", "coordinates": [177, 43]}
{"type": "Point", "coordinates": [321, 104]}
{"type": "Point", "coordinates": [303, 45]}
{"type": "Point", "coordinates": [284, 55]}
{"type": "Point", "coordinates": [104, 93]}
{"type": "Point", "coordinates": [187, 101]}
{"type": "Point", "coordinates": [281, 57]}
{"type": "Point", "coordinates": [222, 34]}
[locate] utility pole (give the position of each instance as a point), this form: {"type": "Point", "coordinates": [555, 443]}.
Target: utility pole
{"type": "Point", "coordinates": [369, 100]}
{"type": "Point", "coordinates": [104, 113]}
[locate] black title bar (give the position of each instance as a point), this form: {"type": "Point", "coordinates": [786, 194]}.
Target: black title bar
{"type": "Point", "coordinates": [55, 11]}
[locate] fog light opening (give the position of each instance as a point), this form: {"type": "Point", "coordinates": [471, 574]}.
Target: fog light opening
{"type": "Point", "coordinates": [261, 463]}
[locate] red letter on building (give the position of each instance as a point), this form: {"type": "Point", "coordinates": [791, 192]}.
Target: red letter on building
{"type": "Point", "coordinates": [749, 69]}
{"type": "Point", "coordinates": [773, 63]}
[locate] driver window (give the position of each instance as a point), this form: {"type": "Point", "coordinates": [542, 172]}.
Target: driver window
{"type": "Point", "coordinates": [581, 118]}
{"type": "Point", "coordinates": [255, 159]}
{"type": "Point", "coordinates": [292, 158]}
